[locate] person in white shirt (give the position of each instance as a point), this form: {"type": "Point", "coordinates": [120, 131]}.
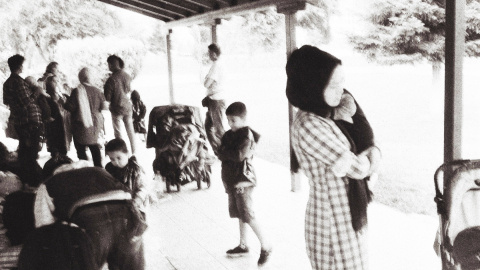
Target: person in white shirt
{"type": "Point", "coordinates": [214, 100]}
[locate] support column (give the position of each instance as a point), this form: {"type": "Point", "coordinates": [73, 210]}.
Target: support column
{"type": "Point", "coordinates": [214, 30]}
{"type": "Point", "coordinates": [291, 38]}
{"type": "Point", "coordinates": [454, 51]}
{"type": "Point", "coordinates": [169, 61]}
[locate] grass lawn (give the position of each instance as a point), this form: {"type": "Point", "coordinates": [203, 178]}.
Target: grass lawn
{"type": "Point", "coordinates": [404, 110]}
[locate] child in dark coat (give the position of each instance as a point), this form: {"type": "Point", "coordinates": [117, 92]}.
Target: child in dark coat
{"type": "Point", "coordinates": [238, 176]}
{"type": "Point", "coordinates": [127, 171]}
{"type": "Point", "coordinates": [139, 111]}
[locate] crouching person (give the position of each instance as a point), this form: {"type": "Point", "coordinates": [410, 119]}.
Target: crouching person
{"type": "Point", "coordinates": [90, 198]}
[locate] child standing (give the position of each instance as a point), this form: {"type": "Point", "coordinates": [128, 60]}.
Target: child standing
{"type": "Point", "coordinates": [139, 111]}
{"type": "Point", "coordinates": [238, 176]}
{"type": "Point", "coordinates": [127, 171]}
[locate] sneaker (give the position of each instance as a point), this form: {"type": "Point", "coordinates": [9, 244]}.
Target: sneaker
{"type": "Point", "coordinates": [264, 255]}
{"type": "Point", "coordinates": [239, 250]}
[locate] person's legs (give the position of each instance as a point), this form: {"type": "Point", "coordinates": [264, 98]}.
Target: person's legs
{"type": "Point", "coordinates": [243, 232]}
{"type": "Point", "coordinates": [245, 204]}
{"type": "Point", "coordinates": [257, 229]}
{"type": "Point", "coordinates": [214, 123]}
{"type": "Point", "coordinates": [81, 150]}
{"type": "Point", "coordinates": [128, 253]}
{"type": "Point", "coordinates": [128, 121]}
{"type": "Point", "coordinates": [96, 155]}
{"type": "Point", "coordinates": [28, 142]}
{"type": "Point", "coordinates": [117, 122]}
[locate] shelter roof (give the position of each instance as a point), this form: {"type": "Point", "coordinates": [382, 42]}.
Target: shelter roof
{"type": "Point", "coordinates": [189, 12]}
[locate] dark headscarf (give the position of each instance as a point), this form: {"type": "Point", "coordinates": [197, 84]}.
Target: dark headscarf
{"type": "Point", "coordinates": [309, 70]}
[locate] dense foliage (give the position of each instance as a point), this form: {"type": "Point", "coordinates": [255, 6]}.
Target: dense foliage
{"type": "Point", "coordinates": [409, 31]}
{"type": "Point", "coordinates": [75, 33]}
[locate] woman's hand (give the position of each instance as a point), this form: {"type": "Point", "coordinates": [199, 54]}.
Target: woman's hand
{"type": "Point", "coordinates": [374, 156]}
{"type": "Point", "coordinates": [342, 165]}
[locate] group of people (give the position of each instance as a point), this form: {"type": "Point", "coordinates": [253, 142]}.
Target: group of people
{"type": "Point", "coordinates": [331, 137]}
{"type": "Point", "coordinates": [40, 109]}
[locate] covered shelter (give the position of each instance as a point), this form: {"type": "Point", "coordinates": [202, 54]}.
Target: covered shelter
{"type": "Point", "coordinates": [211, 12]}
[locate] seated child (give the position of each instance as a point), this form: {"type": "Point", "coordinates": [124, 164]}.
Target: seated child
{"type": "Point", "coordinates": [127, 171]}
{"type": "Point", "coordinates": [41, 99]}
{"type": "Point", "coordinates": [238, 176]}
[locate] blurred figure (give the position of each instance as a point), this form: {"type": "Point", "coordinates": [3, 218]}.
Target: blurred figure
{"type": "Point", "coordinates": [27, 120]}
{"type": "Point", "coordinates": [139, 112]}
{"type": "Point", "coordinates": [214, 100]}
{"type": "Point", "coordinates": [116, 90]}
{"type": "Point", "coordinates": [85, 105]}
{"type": "Point", "coordinates": [58, 132]}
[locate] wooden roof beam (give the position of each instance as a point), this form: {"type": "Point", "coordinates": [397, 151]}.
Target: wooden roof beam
{"type": "Point", "coordinates": [137, 9]}
{"type": "Point", "coordinates": [201, 4]}
{"type": "Point", "coordinates": [282, 6]}
{"type": "Point", "coordinates": [165, 6]}
{"type": "Point", "coordinates": [185, 5]}
{"type": "Point", "coordinates": [159, 8]}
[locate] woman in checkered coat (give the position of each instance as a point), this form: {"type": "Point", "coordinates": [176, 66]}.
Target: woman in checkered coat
{"type": "Point", "coordinates": [315, 87]}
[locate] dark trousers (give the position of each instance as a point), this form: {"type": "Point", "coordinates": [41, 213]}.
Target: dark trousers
{"type": "Point", "coordinates": [94, 150]}
{"type": "Point", "coordinates": [28, 147]}
{"type": "Point", "coordinates": [213, 123]}
{"type": "Point", "coordinates": [108, 224]}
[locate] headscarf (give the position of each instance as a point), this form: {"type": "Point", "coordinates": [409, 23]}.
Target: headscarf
{"type": "Point", "coordinates": [309, 70]}
{"type": "Point", "coordinates": [83, 103]}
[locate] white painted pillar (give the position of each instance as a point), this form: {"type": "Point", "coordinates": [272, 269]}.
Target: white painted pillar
{"type": "Point", "coordinates": [170, 70]}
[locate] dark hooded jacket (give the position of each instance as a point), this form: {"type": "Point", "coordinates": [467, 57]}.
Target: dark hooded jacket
{"type": "Point", "coordinates": [236, 153]}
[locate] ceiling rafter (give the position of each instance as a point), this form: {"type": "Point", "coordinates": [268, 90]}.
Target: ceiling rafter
{"type": "Point", "coordinates": [187, 12]}
{"type": "Point", "coordinates": [200, 3]}
{"type": "Point", "coordinates": [152, 8]}
{"type": "Point", "coordinates": [146, 12]}
{"type": "Point", "coordinates": [194, 9]}
{"type": "Point", "coordinates": [182, 13]}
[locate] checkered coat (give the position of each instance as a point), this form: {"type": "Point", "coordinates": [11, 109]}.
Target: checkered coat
{"type": "Point", "coordinates": [330, 239]}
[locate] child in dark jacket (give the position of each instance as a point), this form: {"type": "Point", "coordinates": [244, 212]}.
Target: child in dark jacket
{"type": "Point", "coordinates": [238, 176]}
{"type": "Point", "coordinates": [127, 171]}
{"type": "Point", "coordinates": [139, 112]}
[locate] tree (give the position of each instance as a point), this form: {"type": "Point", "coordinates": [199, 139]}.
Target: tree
{"type": "Point", "coordinates": [411, 31]}
{"type": "Point", "coordinates": [263, 29]}
{"type": "Point", "coordinates": [37, 27]}
{"type": "Point", "coordinates": [157, 41]}
{"type": "Point", "coordinates": [316, 21]}
{"type": "Point", "coordinates": [93, 52]}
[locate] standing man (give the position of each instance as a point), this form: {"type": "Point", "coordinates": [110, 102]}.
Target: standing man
{"type": "Point", "coordinates": [215, 100]}
{"type": "Point", "coordinates": [27, 120]}
{"type": "Point", "coordinates": [117, 89]}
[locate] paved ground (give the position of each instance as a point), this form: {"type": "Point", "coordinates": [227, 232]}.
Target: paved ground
{"type": "Point", "coordinates": [191, 230]}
